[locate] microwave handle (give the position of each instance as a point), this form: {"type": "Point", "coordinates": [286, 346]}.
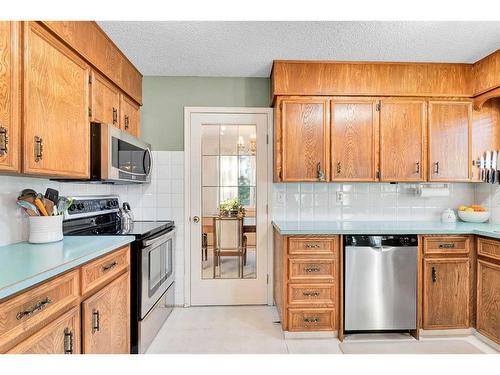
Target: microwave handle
{"type": "Point", "coordinates": [150, 155]}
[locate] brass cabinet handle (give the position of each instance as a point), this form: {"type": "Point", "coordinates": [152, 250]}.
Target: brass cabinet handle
{"type": "Point", "coordinates": [38, 148]}
{"type": "Point", "coordinates": [4, 141]}
{"type": "Point", "coordinates": [434, 274]}
{"type": "Point", "coordinates": [35, 308]}
{"type": "Point", "coordinates": [339, 168]}
{"type": "Point", "coordinates": [312, 320]}
{"type": "Point", "coordinates": [446, 245]}
{"type": "Point", "coordinates": [115, 115]}
{"type": "Point", "coordinates": [418, 167]}
{"type": "Point", "coordinates": [436, 167]}
{"type": "Point", "coordinates": [126, 121]}
{"type": "Point", "coordinates": [107, 267]}
{"type": "Point", "coordinates": [312, 269]}
{"type": "Point", "coordinates": [310, 294]}
{"type": "Point", "coordinates": [95, 321]}
{"type": "Point", "coordinates": [312, 246]}
{"type": "Point", "coordinates": [320, 173]}
{"type": "Point", "coordinates": [68, 341]}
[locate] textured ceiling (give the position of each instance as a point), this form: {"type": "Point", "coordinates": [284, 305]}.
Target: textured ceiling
{"type": "Point", "coordinates": [247, 49]}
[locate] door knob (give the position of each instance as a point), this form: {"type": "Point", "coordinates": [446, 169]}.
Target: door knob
{"type": "Point", "coordinates": [196, 219]}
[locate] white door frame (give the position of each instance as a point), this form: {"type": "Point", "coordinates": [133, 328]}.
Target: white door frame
{"type": "Point", "coordinates": [188, 111]}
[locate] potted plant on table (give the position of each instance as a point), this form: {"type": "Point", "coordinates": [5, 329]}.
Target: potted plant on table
{"type": "Point", "coordinates": [231, 208]}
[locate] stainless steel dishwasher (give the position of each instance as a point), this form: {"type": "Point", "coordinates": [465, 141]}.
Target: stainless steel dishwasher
{"type": "Point", "coordinates": [380, 283]}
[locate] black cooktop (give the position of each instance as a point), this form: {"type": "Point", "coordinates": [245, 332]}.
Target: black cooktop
{"type": "Point", "coordinates": [109, 224]}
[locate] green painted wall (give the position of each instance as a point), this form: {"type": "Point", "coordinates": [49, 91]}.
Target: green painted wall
{"type": "Point", "coordinates": [164, 99]}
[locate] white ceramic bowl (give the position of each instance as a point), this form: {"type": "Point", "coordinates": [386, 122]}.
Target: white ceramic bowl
{"type": "Point", "coordinates": [474, 217]}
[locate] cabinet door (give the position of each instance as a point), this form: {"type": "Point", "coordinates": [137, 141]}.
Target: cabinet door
{"type": "Point", "coordinates": [402, 140]}
{"type": "Point", "coordinates": [10, 151]}
{"type": "Point", "coordinates": [130, 116]}
{"type": "Point", "coordinates": [446, 293]}
{"type": "Point", "coordinates": [354, 139]}
{"type": "Point", "coordinates": [61, 336]}
{"type": "Point", "coordinates": [304, 139]}
{"type": "Point", "coordinates": [488, 300]}
{"type": "Point", "coordinates": [105, 100]}
{"type": "Point", "coordinates": [449, 140]}
{"type": "Point", "coordinates": [106, 319]}
{"type": "Point", "coordinates": [55, 107]}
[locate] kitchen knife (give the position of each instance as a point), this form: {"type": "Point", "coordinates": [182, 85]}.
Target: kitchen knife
{"type": "Point", "coordinates": [481, 168]}
{"type": "Point", "coordinates": [498, 168]}
{"type": "Point", "coordinates": [493, 176]}
{"type": "Point", "coordinates": [488, 166]}
{"type": "Point", "coordinates": [52, 194]}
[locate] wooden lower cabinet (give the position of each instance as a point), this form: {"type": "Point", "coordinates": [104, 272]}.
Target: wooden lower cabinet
{"type": "Point", "coordinates": [306, 280]}
{"type": "Point", "coordinates": [106, 319]}
{"type": "Point", "coordinates": [488, 300]}
{"type": "Point", "coordinates": [62, 336]}
{"type": "Point", "coordinates": [446, 291]}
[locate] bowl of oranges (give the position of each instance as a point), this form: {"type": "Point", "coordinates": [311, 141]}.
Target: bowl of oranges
{"type": "Point", "coordinates": [473, 213]}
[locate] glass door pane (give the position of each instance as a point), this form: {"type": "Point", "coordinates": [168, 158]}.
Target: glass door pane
{"type": "Point", "coordinates": [228, 201]}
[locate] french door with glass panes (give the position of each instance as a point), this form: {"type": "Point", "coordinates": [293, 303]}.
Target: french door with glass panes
{"type": "Point", "coordinates": [228, 198]}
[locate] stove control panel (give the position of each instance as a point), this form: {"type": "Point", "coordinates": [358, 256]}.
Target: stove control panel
{"type": "Point", "coordinates": [91, 206]}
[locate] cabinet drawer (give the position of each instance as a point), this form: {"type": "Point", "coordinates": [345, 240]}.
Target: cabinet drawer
{"type": "Point", "coordinates": [315, 246]}
{"type": "Point", "coordinates": [311, 320]}
{"type": "Point", "coordinates": [323, 294]}
{"type": "Point", "coordinates": [447, 245]}
{"type": "Point", "coordinates": [488, 248]}
{"type": "Point", "coordinates": [307, 269]}
{"type": "Point", "coordinates": [105, 269]}
{"type": "Point", "coordinates": [22, 315]}
{"type": "Point", "coordinates": [62, 336]}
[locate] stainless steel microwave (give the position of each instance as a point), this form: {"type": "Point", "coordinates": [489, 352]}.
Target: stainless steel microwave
{"type": "Point", "coordinates": [118, 157]}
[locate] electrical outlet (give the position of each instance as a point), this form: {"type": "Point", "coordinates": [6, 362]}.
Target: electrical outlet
{"type": "Point", "coordinates": [280, 197]}
{"type": "Point", "coordinates": [340, 196]}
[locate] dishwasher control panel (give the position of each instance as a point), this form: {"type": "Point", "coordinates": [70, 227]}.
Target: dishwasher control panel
{"type": "Point", "coordinates": [382, 240]}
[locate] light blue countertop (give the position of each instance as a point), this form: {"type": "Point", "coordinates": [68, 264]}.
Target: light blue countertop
{"type": "Point", "coordinates": [23, 265]}
{"type": "Point", "coordinates": [385, 227]}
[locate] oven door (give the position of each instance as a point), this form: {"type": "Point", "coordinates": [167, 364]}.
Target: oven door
{"type": "Point", "coordinates": [157, 269]}
{"type": "Point", "coordinates": [127, 158]}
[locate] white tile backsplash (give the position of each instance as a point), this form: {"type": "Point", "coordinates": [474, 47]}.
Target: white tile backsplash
{"type": "Point", "coordinates": [363, 201]}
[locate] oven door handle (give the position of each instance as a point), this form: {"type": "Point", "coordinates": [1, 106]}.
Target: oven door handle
{"type": "Point", "coordinates": [160, 239]}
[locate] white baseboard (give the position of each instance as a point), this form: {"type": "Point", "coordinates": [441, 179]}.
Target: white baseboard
{"type": "Point", "coordinates": [310, 335]}
{"type": "Point", "coordinates": [487, 341]}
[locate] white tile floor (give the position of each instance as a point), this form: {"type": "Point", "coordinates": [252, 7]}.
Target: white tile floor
{"type": "Point", "coordinates": [251, 330]}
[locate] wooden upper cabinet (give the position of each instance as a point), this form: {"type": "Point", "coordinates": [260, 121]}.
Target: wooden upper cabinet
{"type": "Point", "coordinates": [446, 293]}
{"type": "Point", "coordinates": [56, 135]}
{"type": "Point", "coordinates": [10, 95]}
{"type": "Point", "coordinates": [486, 73]}
{"type": "Point", "coordinates": [402, 140]}
{"type": "Point", "coordinates": [130, 116]}
{"type": "Point", "coordinates": [449, 140]}
{"type": "Point", "coordinates": [354, 135]}
{"type": "Point", "coordinates": [106, 319]}
{"type": "Point", "coordinates": [303, 139]}
{"type": "Point", "coordinates": [105, 100]}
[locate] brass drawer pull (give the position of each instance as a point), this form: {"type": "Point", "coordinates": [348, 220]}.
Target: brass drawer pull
{"type": "Point", "coordinates": [312, 320]}
{"type": "Point", "coordinates": [418, 167]}
{"type": "Point", "coordinates": [107, 267]}
{"type": "Point", "coordinates": [434, 274]}
{"type": "Point", "coordinates": [95, 321]}
{"type": "Point", "coordinates": [312, 246]}
{"type": "Point", "coordinates": [126, 122]}
{"type": "Point", "coordinates": [68, 341]}
{"type": "Point", "coordinates": [4, 141]}
{"type": "Point", "coordinates": [38, 148]}
{"type": "Point", "coordinates": [320, 173]}
{"type": "Point", "coordinates": [436, 167]}
{"type": "Point", "coordinates": [311, 294]}
{"type": "Point", "coordinates": [312, 269]}
{"type": "Point", "coordinates": [35, 308]}
{"type": "Point", "coordinates": [446, 245]}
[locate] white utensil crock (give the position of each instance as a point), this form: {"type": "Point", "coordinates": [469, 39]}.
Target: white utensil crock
{"type": "Point", "coordinates": [44, 229]}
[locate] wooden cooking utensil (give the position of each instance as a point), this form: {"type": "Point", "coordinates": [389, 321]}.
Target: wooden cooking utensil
{"type": "Point", "coordinates": [41, 207]}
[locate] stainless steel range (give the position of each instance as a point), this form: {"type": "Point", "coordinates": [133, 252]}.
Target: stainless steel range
{"type": "Point", "coordinates": [152, 261]}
